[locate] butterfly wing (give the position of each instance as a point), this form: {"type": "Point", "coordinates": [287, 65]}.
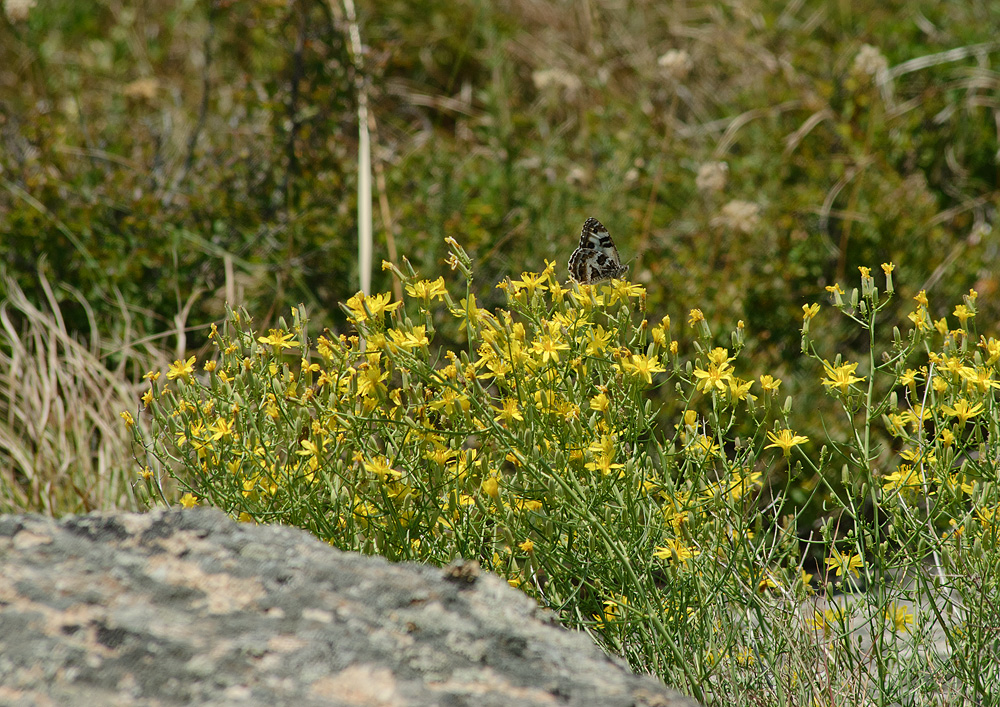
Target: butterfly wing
{"type": "Point", "coordinates": [595, 235]}
{"type": "Point", "coordinates": [596, 258]}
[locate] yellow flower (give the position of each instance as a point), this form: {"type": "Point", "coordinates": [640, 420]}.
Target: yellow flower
{"type": "Point", "coordinates": [497, 368]}
{"type": "Point", "coordinates": [703, 447]}
{"type": "Point", "coordinates": [865, 272]}
{"type": "Point", "coordinates": [826, 620]}
{"type": "Point", "coordinates": [379, 466]}
{"type": "Point", "coordinates": [963, 313]}
{"type": "Point", "coordinates": [962, 410]}
{"type": "Point", "coordinates": [909, 377]}
{"type": "Point", "coordinates": [415, 338]}
{"type": "Point", "coordinates": [915, 455]}
{"type": "Point", "coordinates": [370, 378]}
{"type": "Point", "coordinates": [597, 340]}
{"type": "Point", "coordinates": [642, 367]}
{"type": "Point", "coordinates": [769, 384]}
{"type": "Point", "coordinates": [604, 464]}
{"type": "Point", "coordinates": [181, 369]}
{"type": "Point", "coordinates": [471, 312]}
{"type": "Point", "coordinates": [675, 550]}
{"type": "Point", "coordinates": [527, 546]}
{"type": "Point", "coordinates": [625, 289]}
{"type": "Point", "coordinates": [189, 500]}
{"type": "Point", "coordinates": [887, 268]}
{"type": "Point", "coordinates": [311, 449]}
{"type": "Point", "coordinates": [427, 289]}
{"type": "Point", "coordinates": [278, 340]}
{"type": "Point", "coordinates": [988, 518]}
{"type": "Point", "coordinates": [451, 402]}
{"type": "Point", "coordinates": [899, 616]}
{"type": "Point", "coordinates": [327, 348]}
{"type": "Point", "coordinates": [920, 319]}
{"type": "Point", "coordinates": [897, 422]}
{"type": "Point", "coordinates": [992, 348]}
{"type": "Point", "coordinates": [605, 445]}
{"type": "Point", "coordinates": [613, 609]}
{"type": "Point", "coordinates": [491, 487]}
{"type": "Point", "coordinates": [558, 292]}
{"type": "Point", "coordinates": [981, 378]}
{"type": "Point", "coordinates": [738, 389]}
{"type": "Point", "coordinates": [785, 440]}
{"type": "Point", "coordinates": [844, 563]}
{"type": "Point", "coordinates": [841, 376]}
{"type": "Point", "coordinates": [905, 477]}
{"type": "Point", "coordinates": [439, 454]}
{"type": "Point", "coordinates": [530, 282]}
{"type": "Point", "coordinates": [809, 311]}
{"type": "Point", "coordinates": [768, 581]}
{"type": "Point", "coordinates": [127, 416]}
{"type": "Point", "coordinates": [660, 332]}
{"type": "Point", "coordinates": [741, 481]}
{"type": "Point", "coordinates": [719, 356]}
{"type": "Point", "coordinates": [600, 402]}
{"type": "Point", "coordinates": [549, 348]}
{"type": "Point", "coordinates": [509, 412]}
{"type": "Point", "coordinates": [221, 428]}
{"type": "Point", "coordinates": [695, 316]}
{"type": "Point", "coordinates": [362, 307]}
{"type": "Point", "coordinates": [715, 378]}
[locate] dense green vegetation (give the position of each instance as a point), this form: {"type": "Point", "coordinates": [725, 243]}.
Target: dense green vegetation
{"type": "Point", "coordinates": [168, 151]}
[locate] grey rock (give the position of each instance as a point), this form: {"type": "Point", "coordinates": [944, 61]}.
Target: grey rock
{"type": "Point", "coordinates": [188, 607]}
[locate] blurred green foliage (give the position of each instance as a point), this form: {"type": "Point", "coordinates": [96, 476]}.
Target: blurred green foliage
{"type": "Point", "coordinates": [174, 155]}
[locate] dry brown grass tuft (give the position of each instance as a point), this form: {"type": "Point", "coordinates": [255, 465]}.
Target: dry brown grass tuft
{"type": "Point", "coordinates": [63, 446]}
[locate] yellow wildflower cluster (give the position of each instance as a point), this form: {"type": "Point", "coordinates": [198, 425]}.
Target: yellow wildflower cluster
{"type": "Point", "coordinates": [528, 438]}
{"type": "Point", "coordinates": [376, 439]}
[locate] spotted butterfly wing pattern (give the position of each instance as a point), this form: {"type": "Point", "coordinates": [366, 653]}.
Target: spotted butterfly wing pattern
{"type": "Point", "coordinates": [596, 258]}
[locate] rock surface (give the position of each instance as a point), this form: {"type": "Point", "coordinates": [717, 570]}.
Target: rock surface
{"type": "Point", "coordinates": [187, 607]}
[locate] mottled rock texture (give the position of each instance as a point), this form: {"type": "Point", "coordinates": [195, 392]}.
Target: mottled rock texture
{"type": "Point", "coordinates": [187, 607]}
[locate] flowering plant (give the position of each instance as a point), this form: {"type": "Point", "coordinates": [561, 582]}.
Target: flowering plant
{"type": "Point", "coordinates": [536, 449]}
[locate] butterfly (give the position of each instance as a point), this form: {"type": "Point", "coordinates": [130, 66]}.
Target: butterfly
{"type": "Point", "coordinates": [596, 258]}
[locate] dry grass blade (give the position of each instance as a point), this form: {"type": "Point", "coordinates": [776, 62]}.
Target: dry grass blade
{"type": "Point", "coordinates": [63, 446]}
{"type": "Point", "coordinates": [364, 155]}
